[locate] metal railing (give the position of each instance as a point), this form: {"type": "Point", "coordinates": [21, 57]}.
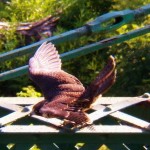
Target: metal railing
{"type": "Point", "coordinates": [105, 23]}
{"type": "Point", "coordinates": [115, 136]}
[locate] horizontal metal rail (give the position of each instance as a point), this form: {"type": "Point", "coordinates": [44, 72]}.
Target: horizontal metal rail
{"type": "Point", "coordinates": [43, 133]}
{"type": "Point", "coordinates": [100, 24]}
{"type": "Point", "coordinates": [81, 51]}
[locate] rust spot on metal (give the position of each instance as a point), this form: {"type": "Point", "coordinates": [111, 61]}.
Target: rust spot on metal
{"type": "Point", "coordinates": [108, 40]}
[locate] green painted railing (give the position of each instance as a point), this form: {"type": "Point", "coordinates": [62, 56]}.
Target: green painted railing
{"type": "Point", "coordinates": [100, 24]}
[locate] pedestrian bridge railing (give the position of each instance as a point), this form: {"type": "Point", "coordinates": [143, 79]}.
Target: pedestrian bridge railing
{"type": "Point", "coordinates": [119, 122]}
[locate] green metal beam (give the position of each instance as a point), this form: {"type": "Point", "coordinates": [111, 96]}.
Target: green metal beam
{"type": "Point", "coordinates": [101, 23]}
{"type": "Point", "coordinates": [75, 138]}
{"type": "Point", "coordinates": [82, 51]}
{"type": "Point", "coordinates": [55, 39]}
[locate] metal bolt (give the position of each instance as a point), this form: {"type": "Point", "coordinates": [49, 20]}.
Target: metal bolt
{"type": "Point", "coordinates": [146, 95]}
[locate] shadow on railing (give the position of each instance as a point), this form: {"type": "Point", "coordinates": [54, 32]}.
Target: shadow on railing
{"type": "Point", "coordinates": [104, 23]}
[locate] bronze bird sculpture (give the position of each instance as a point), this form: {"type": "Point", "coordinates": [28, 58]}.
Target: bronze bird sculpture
{"type": "Point", "coordinates": [64, 95]}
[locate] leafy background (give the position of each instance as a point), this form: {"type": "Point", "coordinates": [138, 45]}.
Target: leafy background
{"type": "Point", "coordinates": [133, 56]}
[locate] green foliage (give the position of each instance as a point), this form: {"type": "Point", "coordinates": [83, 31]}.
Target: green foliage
{"type": "Point", "coordinates": [132, 56]}
{"type": "Point", "coordinates": [132, 66]}
{"type": "Point", "coordinates": [134, 4]}
{"type": "Point", "coordinates": [77, 12]}
{"type": "Point", "coordinates": [29, 11]}
{"type": "Point", "coordinates": [28, 91]}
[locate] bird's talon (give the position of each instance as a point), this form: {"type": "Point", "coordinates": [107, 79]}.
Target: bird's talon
{"type": "Point", "coordinates": [68, 123]}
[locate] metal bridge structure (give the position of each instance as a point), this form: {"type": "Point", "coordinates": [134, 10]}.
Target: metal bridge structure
{"type": "Point", "coordinates": [118, 122]}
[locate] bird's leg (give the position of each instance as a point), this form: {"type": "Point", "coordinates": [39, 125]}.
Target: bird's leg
{"type": "Point", "coordinates": [68, 123]}
{"type": "Point", "coordinates": [73, 126]}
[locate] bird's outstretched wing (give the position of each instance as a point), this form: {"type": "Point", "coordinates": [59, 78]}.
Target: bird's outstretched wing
{"type": "Point", "coordinates": [102, 83]}
{"type": "Point", "coordinates": [45, 70]}
{"type": "Point", "coordinates": [105, 79]}
{"type": "Point", "coordinates": [45, 60]}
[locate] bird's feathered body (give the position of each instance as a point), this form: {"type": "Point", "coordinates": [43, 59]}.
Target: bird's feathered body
{"type": "Point", "coordinates": [65, 96]}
